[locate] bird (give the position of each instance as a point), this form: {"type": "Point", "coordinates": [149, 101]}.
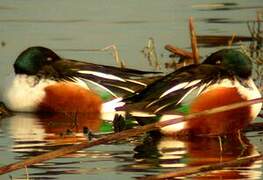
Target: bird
{"type": "Point", "coordinates": [43, 81]}
{"type": "Point", "coordinates": [222, 78]}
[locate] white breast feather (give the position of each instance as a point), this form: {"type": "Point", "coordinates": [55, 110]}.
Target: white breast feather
{"type": "Point", "coordinates": [23, 93]}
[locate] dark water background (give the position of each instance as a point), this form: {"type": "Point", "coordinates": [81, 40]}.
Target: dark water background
{"type": "Point", "coordinates": [72, 28]}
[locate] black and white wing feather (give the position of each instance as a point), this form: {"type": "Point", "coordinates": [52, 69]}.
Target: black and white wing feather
{"type": "Point", "coordinates": [171, 91]}
{"type": "Point", "coordinates": [119, 82]}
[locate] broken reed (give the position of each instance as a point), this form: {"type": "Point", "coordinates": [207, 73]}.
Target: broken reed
{"type": "Point", "coordinates": [255, 47]}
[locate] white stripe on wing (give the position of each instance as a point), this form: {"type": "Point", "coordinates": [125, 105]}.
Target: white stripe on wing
{"type": "Point", "coordinates": [102, 75]}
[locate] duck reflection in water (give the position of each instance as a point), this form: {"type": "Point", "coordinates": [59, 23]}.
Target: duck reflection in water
{"type": "Point", "coordinates": [168, 153]}
{"type": "Point", "coordinates": [37, 133]}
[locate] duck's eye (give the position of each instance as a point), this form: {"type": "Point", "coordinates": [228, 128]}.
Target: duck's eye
{"type": "Point", "coordinates": [218, 62]}
{"type": "Point", "coordinates": [49, 58]}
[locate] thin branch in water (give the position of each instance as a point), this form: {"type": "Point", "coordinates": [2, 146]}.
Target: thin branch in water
{"type": "Point", "coordinates": [205, 168]}
{"type": "Point", "coordinates": [121, 135]}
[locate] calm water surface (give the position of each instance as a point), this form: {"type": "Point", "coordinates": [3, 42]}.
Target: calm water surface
{"type": "Point", "coordinates": [73, 28]}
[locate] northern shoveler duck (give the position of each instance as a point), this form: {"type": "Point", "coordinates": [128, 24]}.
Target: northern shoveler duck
{"type": "Point", "coordinates": [223, 78]}
{"type": "Point", "coordinates": [43, 81]}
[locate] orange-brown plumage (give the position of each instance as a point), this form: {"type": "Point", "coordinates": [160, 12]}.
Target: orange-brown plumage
{"type": "Point", "coordinates": [70, 98]}
{"type": "Point", "coordinates": [219, 123]}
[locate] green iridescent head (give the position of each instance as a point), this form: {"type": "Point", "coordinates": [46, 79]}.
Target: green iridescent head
{"type": "Point", "coordinates": [31, 60]}
{"type": "Point", "coordinates": [233, 61]}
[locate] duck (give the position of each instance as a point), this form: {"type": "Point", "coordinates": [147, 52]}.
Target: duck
{"type": "Point", "coordinates": [222, 78]}
{"type": "Point", "coordinates": [42, 81]}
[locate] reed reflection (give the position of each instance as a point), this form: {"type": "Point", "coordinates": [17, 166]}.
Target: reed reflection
{"type": "Point", "coordinates": [37, 133]}
{"type": "Point", "coordinates": [168, 153]}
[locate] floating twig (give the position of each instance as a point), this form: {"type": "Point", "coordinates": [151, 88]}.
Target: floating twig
{"type": "Point", "coordinates": [121, 135]}
{"type": "Point", "coordinates": [220, 40]}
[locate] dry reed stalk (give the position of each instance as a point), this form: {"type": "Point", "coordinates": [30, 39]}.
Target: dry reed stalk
{"type": "Point", "coordinates": [193, 41]}
{"type": "Point", "coordinates": [115, 54]}
{"type": "Point", "coordinates": [178, 51]}
{"type": "Point", "coordinates": [230, 42]}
